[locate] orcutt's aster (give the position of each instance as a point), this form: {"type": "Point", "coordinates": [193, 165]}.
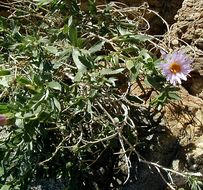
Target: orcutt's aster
{"type": "Point", "coordinates": [176, 67]}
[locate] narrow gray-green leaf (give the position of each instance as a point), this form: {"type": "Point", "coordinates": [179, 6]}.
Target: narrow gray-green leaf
{"type": "Point", "coordinates": [130, 64]}
{"type": "Point", "coordinates": [78, 76]}
{"type": "Point", "coordinates": [57, 104]}
{"type": "Point", "coordinates": [81, 67]}
{"type": "Point", "coordinates": [43, 2]}
{"type": "Point", "coordinates": [141, 37]}
{"type": "Point", "coordinates": [51, 49]}
{"type": "Point", "coordinates": [54, 85]}
{"type": "Point", "coordinates": [89, 107]}
{"type": "Point", "coordinates": [111, 72]}
{"type": "Point", "coordinates": [96, 47]}
{"type": "Point", "coordinates": [1, 171]}
{"type": "Point", "coordinates": [4, 82]}
{"type": "Point", "coordinates": [70, 21]}
{"type": "Point", "coordinates": [5, 187]}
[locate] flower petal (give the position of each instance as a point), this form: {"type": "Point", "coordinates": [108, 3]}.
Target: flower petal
{"type": "Point", "coordinates": [174, 75]}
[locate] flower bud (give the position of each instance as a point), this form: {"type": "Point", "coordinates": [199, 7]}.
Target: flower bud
{"type": "Point", "coordinates": [3, 120]}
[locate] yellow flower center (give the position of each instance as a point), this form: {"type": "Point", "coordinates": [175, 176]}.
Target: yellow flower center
{"type": "Point", "coordinates": [175, 68]}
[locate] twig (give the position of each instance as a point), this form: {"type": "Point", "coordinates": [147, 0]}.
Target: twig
{"type": "Point", "coordinates": [162, 167]}
{"type": "Point", "coordinates": [100, 140]}
{"type": "Point", "coordinates": [55, 152]}
{"type": "Point", "coordinates": [127, 160]}
{"type": "Point", "coordinates": [107, 113]}
{"type": "Point", "coordinates": [169, 185]}
{"type": "Point", "coordinates": [189, 46]}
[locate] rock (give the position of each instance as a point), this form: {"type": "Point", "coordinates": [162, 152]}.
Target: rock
{"type": "Point", "coordinates": [185, 121]}
{"type": "Point", "coordinates": [160, 147]}
{"type": "Point", "coordinates": [197, 153]}
{"type": "Point", "coordinates": [175, 42]}
{"type": "Point", "coordinates": [199, 43]}
{"type": "Point", "coordinates": [187, 30]}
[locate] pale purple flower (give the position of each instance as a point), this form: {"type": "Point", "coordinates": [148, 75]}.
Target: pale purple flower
{"type": "Point", "coordinates": [163, 53]}
{"type": "Point", "coordinates": [3, 120]}
{"type": "Point", "coordinates": [176, 67]}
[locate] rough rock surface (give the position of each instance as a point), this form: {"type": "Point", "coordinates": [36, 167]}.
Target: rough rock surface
{"type": "Point", "coordinates": [186, 119]}
{"type": "Point", "coordinates": [187, 34]}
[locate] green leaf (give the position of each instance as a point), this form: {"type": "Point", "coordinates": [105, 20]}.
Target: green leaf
{"type": "Point", "coordinates": [92, 7]}
{"type": "Point", "coordinates": [37, 110]}
{"type": "Point", "coordinates": [57, 104]}
{"type": "Point", "coordinates": [31, 88]}
{"type": "Point", "coordinates": [4, 82]}
{"type": "Point", "coordinates": [156, 81]}
{"type": "Point", "coordinates": [123, 31]}
{"type": "Point", "coordinates": [4, 72]}
{"type": "Point", "coordinates": [73, 35]}
{"type": "Point", "coordinates": [5, 187]}
{"type": "Point", "coordinates": [111, 72]}
{"type": "Point", "coordinates": [81, 67]}
{"type": "Point", "coordinates": [23, 80]}
{"type": "Point", "coordinates": [174, 96]}
{"type": "Point", "coordinates": [72, 32]}
{"type": "Point", "coordinates": [135, 38]}
{"type": "Point", "coordinates": [1, 171]}
{"type": "Point", "coordinates": [43, 2]}
{"type": "Point", "coordinates": [89, 107]}
{"type": "Point", "coordinates": [112, 81]}
{"type": "Point", "coordinates": [19, 122]}
{"type": "Point", "coordinates": [54, 85]}
{"type": "Point", "coordinates": [130, 64]}
{"type": "Point", "coordinates": [3, 108]}
{"type": "Point", "coordinates": [135, 71]}
{"type": "Point", "coordinates": [78, 76]}
{"type": "Point", "coordinates": [97, 47]}
{"type": "Point", "coordinates": [85, 61]}
{"type": "Point", "coordinates": [140, 37]}
{"type": "Point", "coordinates": [70, 21]}
{"type": "Point", "coordinates": [28, 115]}
{"type": "Point", "coordinates": [51, 49]}
{"type": "Point", "coordinates": [65, 29]}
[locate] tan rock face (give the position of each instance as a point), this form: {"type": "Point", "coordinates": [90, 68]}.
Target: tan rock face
{"type": "Point", "coordinates": [188, 34]}
{"type": "Point", "coordinates": [185, 118]}
{"type": "Point", "coordinates": [185, 121]}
